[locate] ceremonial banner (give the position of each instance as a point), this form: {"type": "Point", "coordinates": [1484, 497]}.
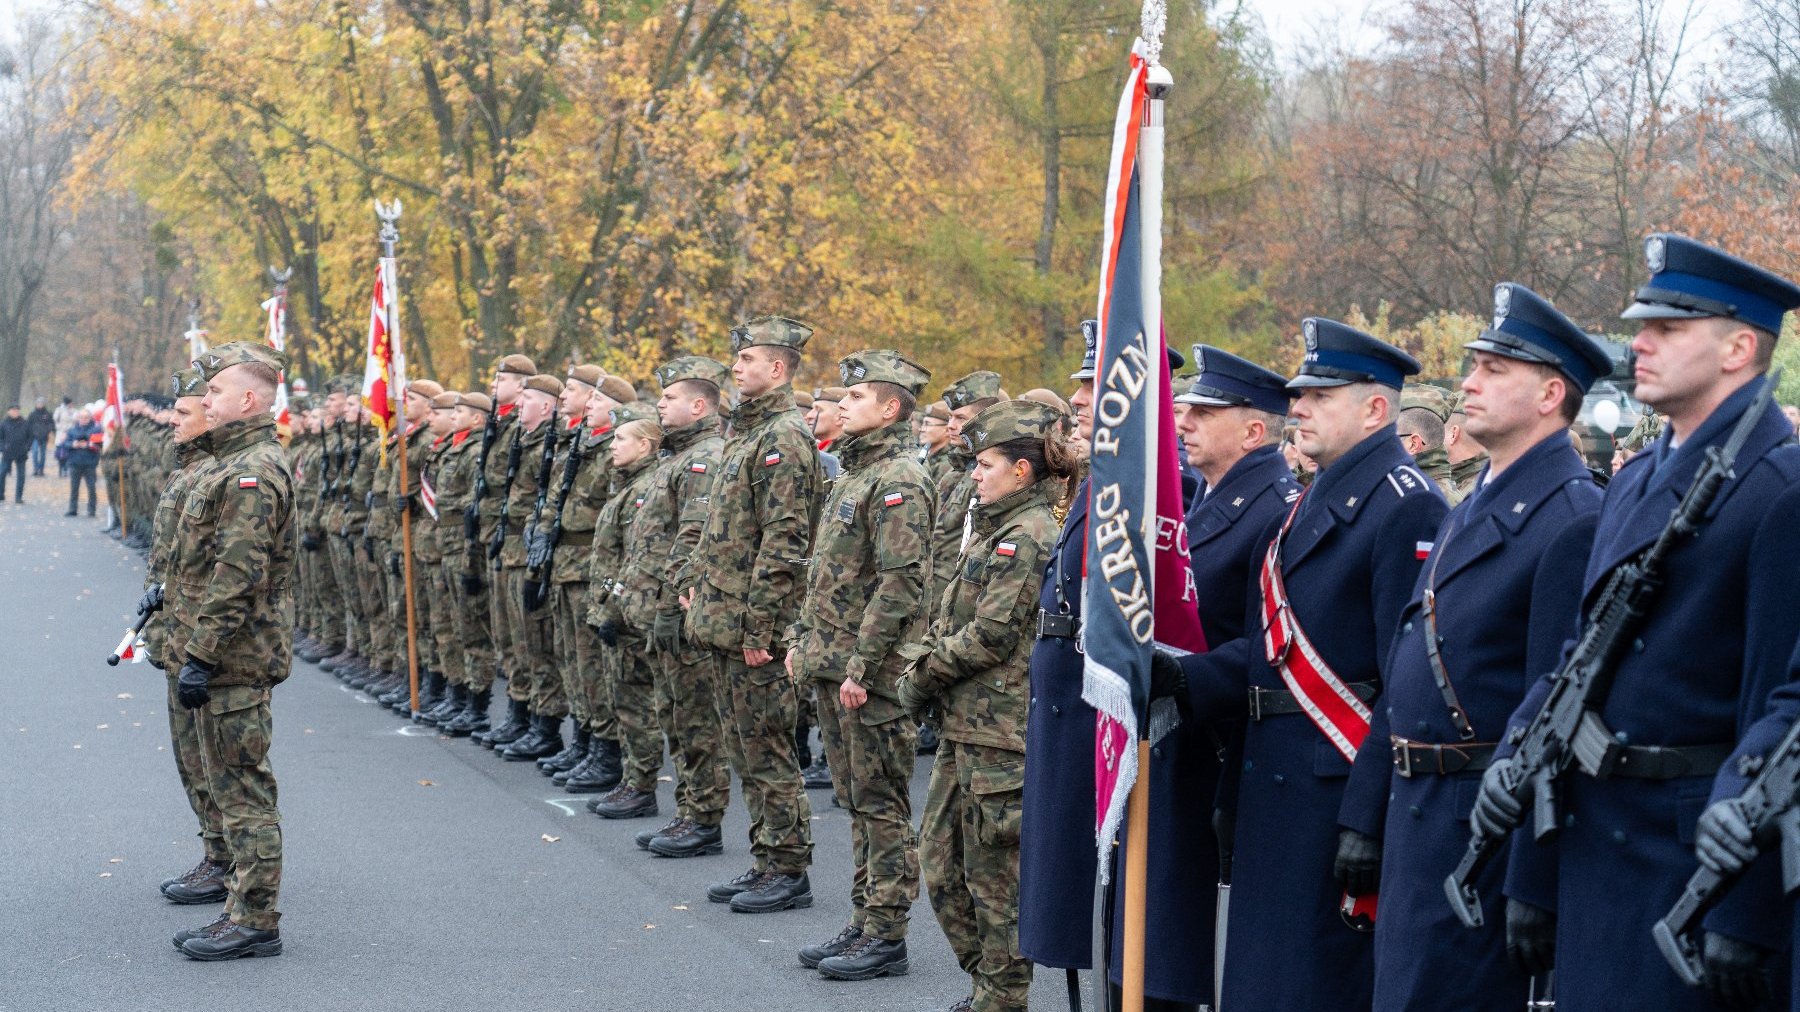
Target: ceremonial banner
{"type": "Point", "coordinates": [112, 421]}
{"type": "Point", "coordinates": [384, 376]}
{"type": "Point", "coordinates": [275, 308]}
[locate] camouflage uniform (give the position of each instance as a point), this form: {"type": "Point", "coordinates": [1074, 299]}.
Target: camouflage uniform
{"type": "Point", "coordinates": [531, 672]}
{"type": "Point", "coordinates": [334, 625]}
{"type": "Point", "coordinates": [366, 586]}
{"type": "Point", "coordinates": [453, 479]}
{"type": "Point", "coordinates": [504, 454]}
{"type": "Point", "coordinates": [955, 485]}
{"type": "Point", "coordinates": [232, 601]}
{"type": "Point", "coordinates": [577, 652]}
{"type": "Point", "coordinates": [973, 668]}
{"type": "Point", "coordinates": [864, 600]}
{"type": "Point", "coordinates": [1432, 462]}
{"type": "Point", "coordinates": [619, 568]}
{"type": "Point", "coordinates": [1463, 476]}
{"type": "Point", "coordinates": [436, 540]}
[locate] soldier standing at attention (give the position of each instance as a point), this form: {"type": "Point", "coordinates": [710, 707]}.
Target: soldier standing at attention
{"type": "Point", "coordinates": [1467, 455]}
{"type": "Point", "coordinates": [467, 561]}
{"type": "Point", "coordinates": [864, 601]}
{"type": "Point", "coordinates": [532, 680]}
{"type": "Point", "coordinates": [966, 398]}
{"type": "Point", "coordinates": [233, 608]}
{"type": "Point", "coordinates": [1492, 608]}
{"type": "Point", "coordinates": [205, 882]}
{"type": "Point", "coordinates": [1424, 410]}
{"type": "Point", "coordinates": [972, 668]}
{"type": "Point", "coordinates": [743, 591]}
{"type": "Point", "coordinates": [436, 538]}
{"type": "Point", "coordinates": [501, 454]}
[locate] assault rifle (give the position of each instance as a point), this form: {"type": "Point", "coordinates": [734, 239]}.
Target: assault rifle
{"type": "Point", "coordinates": [472, 514]}
{"type": "Point", "coordinates": [512, 474]}
{"type": "Point", "coordinates": [537, 591]}
{"type": "Point", "coordinates": [540, 554]}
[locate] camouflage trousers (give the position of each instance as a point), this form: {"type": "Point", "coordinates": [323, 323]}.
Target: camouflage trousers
{"type": "Point", "coordinates": [632, 691]}
{"type": "Point", "coordinates": [530, 672]}
{"type": "Point", "coordinates": [343, 578]}
{"type": "Point", "coordinates": [371, 582]}
{"type": "Point", "coordinates": [190, 764]}
{"type": "Point", "coordinates": [470, 617]}
{"type": "Point", "coordinates": [870, 750]}
{"type": "Point", "coordinates": [969, 852]}
{"type": "Point", "coordinates": [436, 584]}
{"type": "Point", "coordinates": [325, 609]}
{"type": "Point", "coordinates": [235, 729]}
{"type": "Point", "coordinates": [757, 712]}
{"type": "Point", "coordinates": [690, 721]}
{"type": "Point", "coordinates": [578, 658]}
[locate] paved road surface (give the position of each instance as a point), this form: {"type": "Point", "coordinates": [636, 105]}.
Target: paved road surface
{"type": "Point", "coordinates": [420, 871]}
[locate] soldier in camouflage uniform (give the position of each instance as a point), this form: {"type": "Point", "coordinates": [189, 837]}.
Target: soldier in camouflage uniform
{"type": "Point", "coordinates": [865, 599]}
{"type": "Point", "coordinates": [205, 882]}
{"type": "Point", "coordinates": [503, 456]}
{"type": "Point", "coordinates": [1467, 458]}
{"type": "Point", "coordinates": [387, 527]}
{"type": "Point", "coordinates": [934, 440]}
{"type": "Point", "coordinates": [531, 674]}
{"type": "Point", "coordinates": [306, 452]}
{"type": "Point", "coordinates": [669, 524]}
{"type": "Point", "coordinates": [230, 596]}
{"type": "Point", "coordinates": [955, 485]}
{"type": "Point", "coordinates": [328, 630]}
{"type": "Point", "coordinates": [433, 539]}
{"type": "Point", "coordinates": [465, 565]}
{"type": "Point", "coordinates": [972, 668]}
{"type": "Point", "coordinates": [1423, 411]}
{"type": "Point", "coordinates": [744, 589]}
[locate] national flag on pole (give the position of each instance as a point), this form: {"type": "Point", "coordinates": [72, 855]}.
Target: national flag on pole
{"type": "Point", "coordinates": [275, 308]}
{"type": "Point", "coordinates": [1139, 590]}
{"type": "Point", "coordinates": [384, 377]}
{"type": "Point", "coordinates": [131, 648]}
{"type": "Point", "coordinates": [112, 420]}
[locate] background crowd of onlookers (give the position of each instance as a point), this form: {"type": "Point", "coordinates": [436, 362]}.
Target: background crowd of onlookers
{"type": "Point", "coordinates": [69, 434]}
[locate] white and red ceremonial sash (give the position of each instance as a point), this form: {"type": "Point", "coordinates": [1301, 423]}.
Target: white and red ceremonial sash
{"type": "Point", "coordinates": [1334, 709]}
{"type": "Point", "coordinates": [427, 495]}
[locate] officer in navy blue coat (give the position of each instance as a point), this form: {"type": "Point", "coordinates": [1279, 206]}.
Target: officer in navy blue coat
{"type": "Point", "coordinates": [1342, 567]}
{"type": "Point", "coordinates": [1717, 641]}
{"type": "Point", "coordinates": [1491, 611]}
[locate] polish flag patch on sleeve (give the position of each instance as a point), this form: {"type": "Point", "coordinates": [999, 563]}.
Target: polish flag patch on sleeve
{"type": "Point", "coordinates": [771, 459]}
{"type": "Point", "coordinates": [1422, 550]}
{"type": "Point", "coordinates": [246, 482]}
{"type": "Point", "coordinates": [698, 467]}
{"type": "Point", "coordinates": [1007, 549]}
{"type": "Point", "coordinates": [892, 499]}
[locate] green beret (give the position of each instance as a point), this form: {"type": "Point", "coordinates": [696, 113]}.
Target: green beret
{"type": "Point", "coordinates": [214, 361]}
{"type": "Point", "coordinates": [692, 367]}
{"type": "Point", "coordinates": [971, 388]}
{"type": "Point", "coordinates": [883, 366]}
{"type": "Point", "coordinates": [189, 383]}
{"type": "Point", "coordinates": [778, 331]}
{"type": "Point", "coordinates": [1008, 420]}
{"type": "Point", "coordinates": [1434, 399]}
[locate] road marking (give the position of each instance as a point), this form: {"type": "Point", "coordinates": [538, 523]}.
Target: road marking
{"type": "Point", "coordinates": [567, 805]}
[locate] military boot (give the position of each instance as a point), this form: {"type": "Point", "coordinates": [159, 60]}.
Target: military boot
{"type": "Point", "coordinates": [203, 868]}
{"type": "Point", "coordinates": [186, 933]}
{"type": "Point", "coordinates": [206, 887]}
{"type": "Point", "coordinates": [603, 770]}
{"type": "Point", "coordinates": [332, 662]}
{"type": "Point", "coordinates": [474, 716]}
{"type": "Point", "coordinates": [393, 696]}
{"type": "Point", "coordinates": [774, 891]}
{"type": "Point", "coordinates": [643, 838]}
{"type": "Point", "coordinates": [518, 721]}
{"type": "Point", "coordinates": [544, 740]}
{"type": "Point", "coordinates": [573, 755]}
{"type": "Point", "coordinates": [722, 892]}
{"type": "Point", "coordinates": [583, 762]}
{"type": "Point", "coordinates": [928, 740]}
{"type": "Point", "coordinates": [449, 706]}
{"type": "Point", "coordinates": [817, 777]}
{"type": "Point", "coordinates": [692, 840]}
{"type": "Point", "coordinates": [803, 753]}
{"type": "Point", "coordinates": [433, 691]}
{"type": "Point", "coordinates": [867, 959]}
{"type": "Point", "coordinates": [812, 955]}
{"type": "Point", "coordinates": [233, 941]}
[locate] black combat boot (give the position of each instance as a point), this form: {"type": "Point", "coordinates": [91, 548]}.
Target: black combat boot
{"type": "Point", "coordinates": [692, 840]}
{"type": "Point", "coordinates": [774, 891]}
{"type": "Point", "coordinates": [813, 955]}
{"type": "Point", "coordinates": [448, 707]}
{"type": "Point", "coordinates": [817, 777]}
{"type": "Point", "coordinates": [627, 802]}
{"type": "Point", "coordinates": [203, 868]}
{"type": "Point", "coordinates": [544, 740]}
{"type": "Point", "coordinates": [206, 887]}
{"type": "Point", "coordinates": [867, 959]}
{"type": "Point", "coordinates": [602, 771]}
{"type": "Point", "coordinates": [331, 662]}
{"type": "Point", "coordinates": [722, 892]}
{"type": "Point", "coordinates": [186, 933]}
{"type": "Point", "coordinates": [474, 716]}
{"type": "Point", "coordinates": [233, 941]}
{"type": "Point", "coordinates": [643, 838]}
{"type": "Point", "coordinates": [803, 753]}
{"type": "Point", "coordinates": [569, 757]}
{"type": "Point", "coordinates": [518, 721]}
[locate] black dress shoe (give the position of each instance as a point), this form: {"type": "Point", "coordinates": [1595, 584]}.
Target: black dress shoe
{"type": "Point", "coordinates": [208, 887]}
{"type": "Point", "coordinates": [691, 840]}
{"type": "Point", "coordinates": [812, 955]}
{"type": "Point", "coordinates": [774, 891]}
{"type": "Point", "coordinates": [817, 776]}
{"type": "Point", "coordinates": [643, 838]}
{"type": "Point", "coordinates": [867, 959]}
{"type": "Point", "coordinates": [722, 892]}
{"type": "Point", "coordinates": [186, 933]}
{"type": "Point", "coordinates": [626, 802]}
{"type": "Point", "coordinates": [233, 941]}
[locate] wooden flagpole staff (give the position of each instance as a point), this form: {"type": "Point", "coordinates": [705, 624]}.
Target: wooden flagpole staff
{"type": "Point", "coordinates": [390, 213]}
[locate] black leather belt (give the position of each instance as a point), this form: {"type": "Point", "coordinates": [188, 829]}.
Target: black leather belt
{"type": "Point", "coordinates": [1662, 762]}
{"type": "Point", "coordinates": [1054, 626]}
{"type": "Point", "coordinates": [1422, 757]}
{"type": "Point", "coordinates": [1276, 702]}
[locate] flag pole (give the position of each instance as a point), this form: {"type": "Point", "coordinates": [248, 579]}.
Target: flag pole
{"type": "Point", "coordinates": [390, 213]}
{"type": "Point", "coordinates": [1137, 834]}
{"type": "Point", "coordinates": [116, 379]}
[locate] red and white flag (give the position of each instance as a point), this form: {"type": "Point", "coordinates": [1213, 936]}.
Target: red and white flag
{"type": "Point", "coordinates": [112, 421]}
{"type": "Point", "coordinates": [384, 375]}
{"type": "Point", "coordinates": [275, 308]}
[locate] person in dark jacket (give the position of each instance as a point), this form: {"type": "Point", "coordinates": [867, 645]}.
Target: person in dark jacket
{"type": "Point", "coordinates": [42, 427]}
{"type": "Point", "coordinates": [15, 447]}
{"type": "Point", "coordinates": [82, 445]}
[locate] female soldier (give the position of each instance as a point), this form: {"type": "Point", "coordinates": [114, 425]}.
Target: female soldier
{"type": "Point", "coordinates": [972, 669]}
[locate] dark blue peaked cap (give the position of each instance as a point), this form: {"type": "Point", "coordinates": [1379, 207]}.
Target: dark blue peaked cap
{"type": "Point", "coordinates": [1090, 356]}
{"type": "Point", "coordinates": [1227, 381]}
{"type": "Point", "coordinates": [1337, 355]}
{"type": "Point", "coordinates": [1690, 279]}
{"type": "Point", "coordinates": [1531, 330]}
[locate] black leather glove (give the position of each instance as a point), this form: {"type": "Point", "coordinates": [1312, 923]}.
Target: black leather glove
{"type": "Point", "coordinates": [393, 563]}
{"type": "Point", "coordinates": [309, 541]}
{"type": "Point", "coordinates": [368, 547]}
{"type": "Point", "coordinates": [1734, 972]}
{"type": "Point", "coordinates": [665, 633]}
{"type": "Point", "coordinates": [1358, 864]}
{"type": "Point", "coordinates": [152, 601]}
{"type": "Point", "coordinates": [471, 523]}
{"type": "Point", "coordinates": [1723, 839]}
{"type": "Point", "coordinates": [1496, 811]}
{"type": "Point", "coordinates": [1530, 938]}
{"type": "Point", "coordinates": [472, 583]}
{"type": "Point", "coordinates": [493, 548]}
{"type": "Point", "coordinates": [608, 633]}
{"type": "Point", "coordinates": [536, 594]}
{"type": "Point", "coordinates": [190, 684]}
{"type": "Point", "coordinates": [1167, 680]}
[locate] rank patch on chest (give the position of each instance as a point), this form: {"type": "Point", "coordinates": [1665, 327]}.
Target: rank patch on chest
{"type": "Point", "coordinates": [1422, 550]}
{"type": "Point", "coordinates": [1007, 549]}
{"type": "Point", "coordinates": [771, 459]}
{"type": "Point", "coordinates": [892, 499]}
{"type": "Point", "coordinates": [246, 482]}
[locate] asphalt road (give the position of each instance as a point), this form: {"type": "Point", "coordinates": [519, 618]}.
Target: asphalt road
{"type": "Point", "coordinates": [420, 871]}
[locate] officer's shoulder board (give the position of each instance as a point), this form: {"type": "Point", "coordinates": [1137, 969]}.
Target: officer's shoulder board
{"type": "Point", "coordinates": [1407, 480]}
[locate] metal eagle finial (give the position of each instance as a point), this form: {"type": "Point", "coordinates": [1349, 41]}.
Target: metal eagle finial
{"type": "Point", "coordinates": [388, 213]}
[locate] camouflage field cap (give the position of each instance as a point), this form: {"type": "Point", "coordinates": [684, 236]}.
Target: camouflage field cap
{"type": "Point", "coordinates": [619, 390]}
{"type": "Point", "coordinates": [446, 400]}
{"type": "Point", "coordinates": [1008, 420]}
{"type": "Point", "coordinates": [778, 331]}
{"type": "Point", "coordinates": [344, 383]}
{"type": "Point", "coordinates": [1434, 399]}
{"type": "Point", "coordinates": [214, 361]}
{"type": "Point", "coordinates": [480, 402]}
{"type": "Point", "coordinates": [545, 384]}
{"type": "Point", "coordinates": [971, 388]}
{"type": "Point", "coordinates": [428, 389]}
{"type": "Point", "coordinates": [883, 365]}
{"type": "Point", "coordinates": [692, 367]}
{"type": "Point", "coordinates": [803, 400]}
{"type": "Point", "coordinates": [587, 375]}
{"type": "Point", "coordinates": [631, 411]}
{"type": "Point", "coordinates": [519, 365]}
{"type": "Point", "coordinates": [300, 402]}
{"type": "Point", "coordinates": [190, 383]}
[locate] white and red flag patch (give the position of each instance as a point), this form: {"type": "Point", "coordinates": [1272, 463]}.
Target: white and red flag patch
{"type": "Point", "coordinates": [247, 482]}
{"type": "Point", "coordinates": [698, 467]}
{"type": "Point", "coordinates": [1422, 550]}
{"type": "Point", "coordinates": [892, 499]}
{"type": "Point", "coordinates": [1006, 548]}
{"type": "Point", "coordinates": [771, 459]}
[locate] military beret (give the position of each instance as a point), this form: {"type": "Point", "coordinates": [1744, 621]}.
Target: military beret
{"type": "Point", "coordinates": [631, 411]}
{"type": "Point", "coordinates": [1528, 328]}
{"type": "Point", "coordinates": [829, 395]}
{"type": "Point", "coordinates": [480, 402]}
{"type": "Point", "coordinates": [1689, 279]}
{"type": "Point", "coordinates": [778, 331]}
{"type": "Point", "coordinates": [424, 388]}
{"type": "Point", "coordinates": [214, 361]}
{"type": "Point", "coordinates": [971, 388]}
{"type": "Point", "coordinates": [1009, 420]}
{"type": "Point", "coordinates": [447, 399]}
{"type": "Point", "coordinates": [190, 383]}
{"type": "Point", "coordinates": [937, 411]}
{"type": "Point", "coordinates": [803, 400]}
{"type": "Point", "coordinates": [619, 390]}
{"type": "Point", "coordinates": [1048, 398]}
{"type": "Point", "coordinates": [545, 384]}
{"type": "Point", "coordinates": [692, 367]}
{"type": "Point", "coordinates": [1338, 355]}
{"type": "Point", "coordinates": [883, 366]}
{"type": "Point", "coordinates": [520, 365]}
{"type": "Point", "coordinates": [587, 375]}
{"type": "Point", "coordinates": [1423, 395]}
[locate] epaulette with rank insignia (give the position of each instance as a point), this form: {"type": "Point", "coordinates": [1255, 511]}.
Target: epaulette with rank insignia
{"type": "Point", "coordinates": [1405, 479]}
